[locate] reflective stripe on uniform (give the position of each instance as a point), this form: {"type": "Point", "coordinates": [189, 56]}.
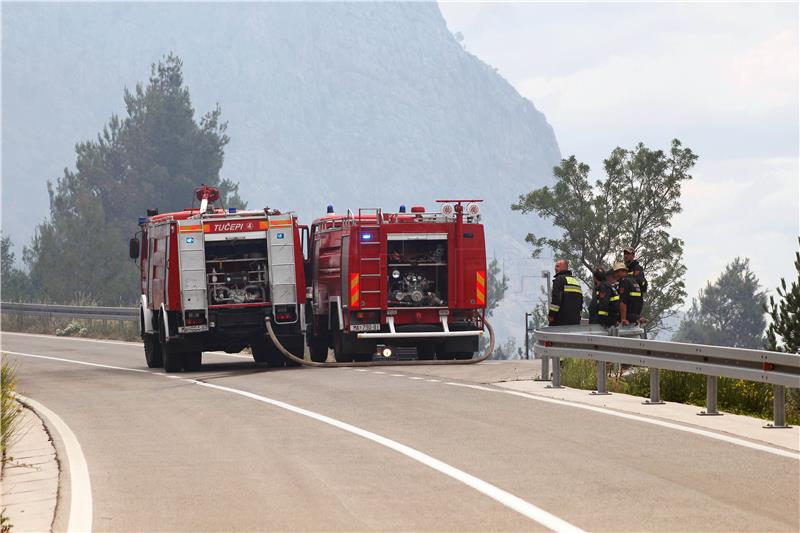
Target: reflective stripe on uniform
{"type": "Point", "coordinates": [572, 289]}
{"type": "Point", "coordinates": [635, 293]}
{"type": "Point", "coordinates": [554, 307]}
{"type": "Point", "coordinates": [571, 281]}
{"type": "Point", "coordinates": [614, 298]}
{"type": "Point", "coordinates": [602, 313]}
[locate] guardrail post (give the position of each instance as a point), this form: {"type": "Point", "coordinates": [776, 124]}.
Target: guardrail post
{"type": "Point", "coordinates": [556, 381]}
{"type": "Point", "coordinates": [778, 408]}
{"type": "Point", "coordinates": [711, 397]}
{"type": "Point", "coordinates": [602, 383]}
{"type": "Point", "coordinates": [545, 369]}
{"type": "Point", "coordinates": [655, 388]}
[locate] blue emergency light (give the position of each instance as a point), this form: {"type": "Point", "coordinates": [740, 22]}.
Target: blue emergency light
{"type": "Point", "coordinates": [366, 236]}
{"type": "Point", "coordinates": [189, 240]}
{"type": "Point", "coordinates": [279, 236]}
{"type": "Point", "coordinates": [231, 210]}
{"type": "Point", "coordinates": [142, 220]}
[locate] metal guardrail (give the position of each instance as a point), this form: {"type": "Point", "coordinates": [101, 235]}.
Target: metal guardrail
{"type": "Point", "coordinates": [72, 311]}
{"type": "Point", "coordinates": [610, 346]}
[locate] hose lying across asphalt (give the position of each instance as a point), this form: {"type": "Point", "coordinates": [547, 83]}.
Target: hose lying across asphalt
{"type": "Point", "coordinates": [302, 361]}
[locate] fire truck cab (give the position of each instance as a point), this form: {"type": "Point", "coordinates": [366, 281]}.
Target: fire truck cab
{"type": "Point", "coordinates": [210, 277]}
{"type": "Point", "coordinates": [400, 285]}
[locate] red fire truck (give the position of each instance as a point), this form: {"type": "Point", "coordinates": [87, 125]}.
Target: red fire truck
{"type": "Point", "coordinates": [399, 285]}
{"type": "Point", "coordinates": [210, 277]}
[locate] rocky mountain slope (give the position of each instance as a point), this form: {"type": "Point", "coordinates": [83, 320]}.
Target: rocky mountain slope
{"type": "Point", "coordinates": [355, 105]}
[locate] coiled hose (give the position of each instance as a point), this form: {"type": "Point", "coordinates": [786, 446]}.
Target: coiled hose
{"type": "Point", "coordinates": [433, 362]}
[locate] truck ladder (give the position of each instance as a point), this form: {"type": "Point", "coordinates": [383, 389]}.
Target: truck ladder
{"type": "Point", "coordinates": [281, 263]}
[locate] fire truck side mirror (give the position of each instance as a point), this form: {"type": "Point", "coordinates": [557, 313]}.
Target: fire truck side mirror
{"type": "Point", "coordinates": [134, 248]}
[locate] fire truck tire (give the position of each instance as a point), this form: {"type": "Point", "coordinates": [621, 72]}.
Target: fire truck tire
{"type": "Point", "coordinates": [152, 351]}
{"type": "Point", "coordinates": [173, 361]}
{"type": "Point", "coordinates": [296, 346]}
{"type": "Point", "coordinates": [260, 348]}
{"type": "Point", "coordinates": [318, 349]}
{"type": "Point", "coordinates": [192, 361]}
{"type": "Point", "coordinates": [338, 350]}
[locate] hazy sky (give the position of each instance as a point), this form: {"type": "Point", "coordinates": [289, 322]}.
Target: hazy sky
{"type": "Point", "coordinates": [722, 78]}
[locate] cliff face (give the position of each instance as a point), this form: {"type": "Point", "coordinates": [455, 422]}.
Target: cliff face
{"type": "Point", "coordinates": [355, 105]}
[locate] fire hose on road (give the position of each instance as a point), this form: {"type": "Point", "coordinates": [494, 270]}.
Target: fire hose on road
{"type": "Point", "coordinates": [434, 362]}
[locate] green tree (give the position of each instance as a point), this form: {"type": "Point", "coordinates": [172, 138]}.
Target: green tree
{"type": "Point", "coordinates": [15, 282]}
{"type": "Point", "coordinates": [496, 287]}
{"type": "Point", "coordinates": [632, 206]}
{"type": "Point", "coordinates": [783, 333]}
{"type": "Point", "coordinates": [153, 158]}
{"type": "Point", "coordinates": [157, 155]}
{"type": "Point", "coordinates": [727, 312]}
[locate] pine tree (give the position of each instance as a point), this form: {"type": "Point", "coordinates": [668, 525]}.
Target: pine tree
{"type": "Point", "coordinates": [783, 333]}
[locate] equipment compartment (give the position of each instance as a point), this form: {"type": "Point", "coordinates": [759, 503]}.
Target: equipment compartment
{"type": "Point", "coordinates": [417, 271]}
{"type": "Point", "coordinates": [236, 272]}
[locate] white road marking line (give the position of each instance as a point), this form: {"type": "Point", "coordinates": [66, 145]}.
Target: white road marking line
{"type": "Point", "coordinates": [360, 369]}
{"type": "Point", "coordinates": [670, 425]}
{"type": "Point", "coordinates": [378, 372]}
{"type": "Point", "coordinates": [398, 375]}
{"type": "Point", "coordinates": [415, 377]}
{"type": "Point", "coordinates": [499, 495]}
{"type": "Point", "coordinates": [433, 380]}
{"type": "Point", "coordinates": [80, 486]}
{"type": "Point", "coordinates": [77, 362]}
{"type": "Point", "coordinates": [505, 498]}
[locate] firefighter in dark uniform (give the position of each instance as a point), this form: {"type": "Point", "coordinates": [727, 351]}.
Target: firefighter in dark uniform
{"type": "Point", "coordinates": [604, 309]}
{"type": "Point", "coordinates": [635, 270]}
{"type": "Point", "coordinates": [567, 299]}
{"type": "Point", "coordinates": [630, 295]}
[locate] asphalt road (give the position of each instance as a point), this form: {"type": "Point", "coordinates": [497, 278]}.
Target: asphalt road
{"type": "Point", "coordinates": [343, 449]}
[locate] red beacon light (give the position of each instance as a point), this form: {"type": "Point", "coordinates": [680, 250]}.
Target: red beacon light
{"type": "Point", "coordinates": [417, 209]}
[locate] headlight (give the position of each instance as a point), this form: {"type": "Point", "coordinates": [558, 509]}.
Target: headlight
{"type": "Point", "coordinates": [396, 274]}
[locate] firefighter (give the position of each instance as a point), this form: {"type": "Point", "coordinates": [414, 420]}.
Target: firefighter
{"type": "Point", "coordinates": [567, 299]}
{"type": "Point", "coordinates": [599, 276]}
{"type": "Point", "coordinates": [630, 295]}
{"type": "Point", "coordinates": [635, 270]}
{"type": "Point", "coordinates": [606, 312]}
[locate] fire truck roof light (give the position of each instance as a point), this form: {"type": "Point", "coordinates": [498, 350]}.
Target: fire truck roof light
{"type": "Point", "coordinates": [330, 208]}
{"type": "Point", "coordinates": [231, 210]}
{"type": "Point", "coordinates": [418, 209]}
{"type": "Point", "coordinates": [142, 220]}
{"type": "Point", "coordinates": [366, 236]}
{"type": "Point", "coordinates": [402, 209]}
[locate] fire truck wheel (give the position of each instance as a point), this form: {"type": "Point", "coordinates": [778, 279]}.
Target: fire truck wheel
{"type": "Point", "coordinates": [318, 349]}
{"type": "Point", "coordinates": [152, 351]}
{"type": "Point", "coordinates": [193, 361]}
{"type": "Point", "coordinates": [173, 361]}
{"type": "Point", "coordinates": [260, 348]}
{"type": "Point", "coordinates": [295, 346]}
{"type": "Point", "coordinates": [338, 350]}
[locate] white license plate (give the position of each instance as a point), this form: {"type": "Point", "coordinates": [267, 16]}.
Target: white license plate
{"type": "Point", "coordinates": [192, 329]}
{"type": "Point", "coordinates": [365, 327]}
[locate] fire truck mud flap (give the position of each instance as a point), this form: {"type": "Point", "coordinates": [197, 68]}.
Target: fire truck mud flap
{"type": "Point", "coordinates": [433, 362]}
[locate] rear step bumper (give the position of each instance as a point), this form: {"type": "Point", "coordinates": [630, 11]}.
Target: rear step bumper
{"type": "Point", "coordinates": [392, 334]}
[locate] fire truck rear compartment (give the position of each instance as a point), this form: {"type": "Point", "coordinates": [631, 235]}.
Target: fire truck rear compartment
{"type": "Point", "coordinates": [417, 273]}
{"type": "Point", "coordinates": [236, 272]}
